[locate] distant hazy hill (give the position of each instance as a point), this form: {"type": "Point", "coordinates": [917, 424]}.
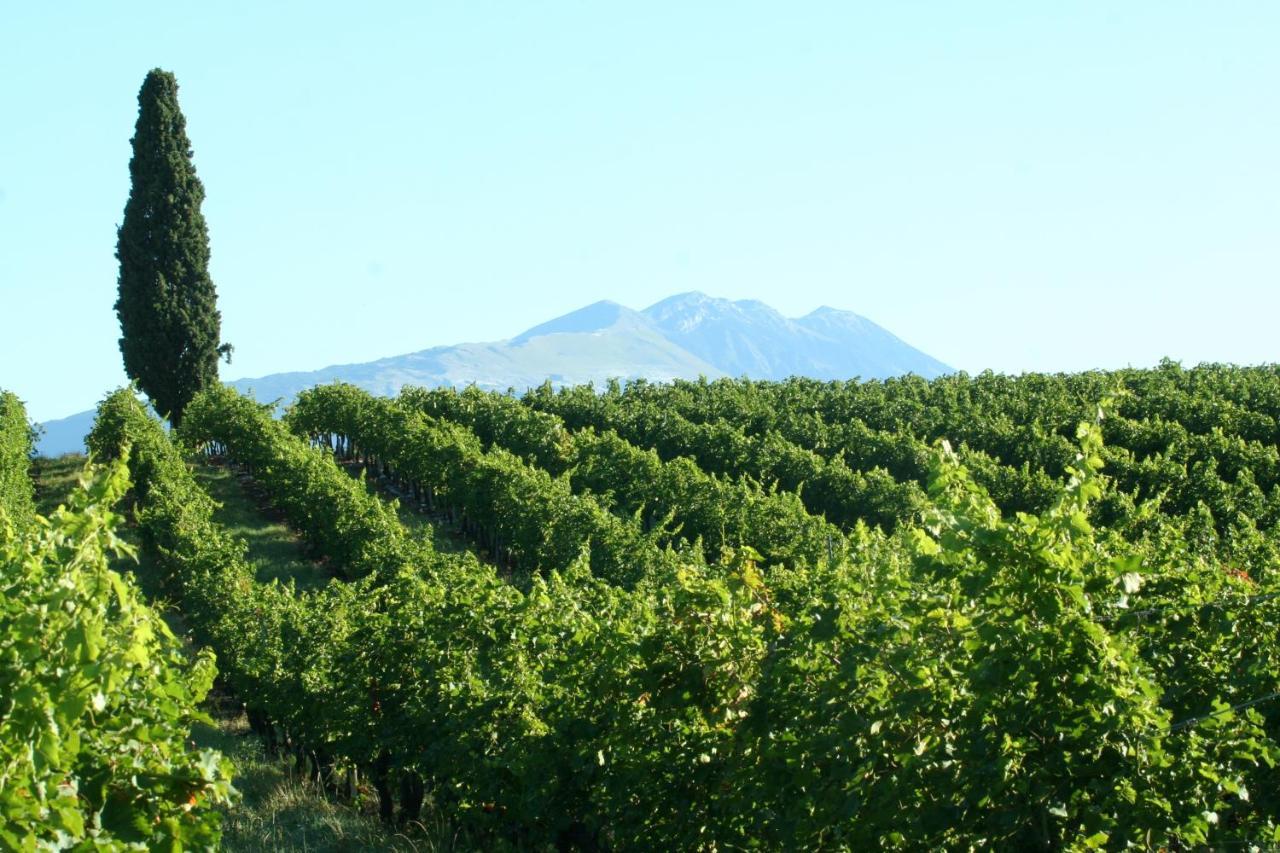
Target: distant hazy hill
{"type": "Point", "coordinates": [591, 344]}
{"type": "Point", "coordinates": [65, 435]}
{"type": "Point", "coordinates": [685, 336]}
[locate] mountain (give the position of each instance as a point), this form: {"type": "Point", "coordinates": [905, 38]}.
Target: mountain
{"type": "Point", "coordinates": [684, 336]}
{"type": "Point", "coordinates": [592, 344]}
{"type": "Point", "coordinates": [65, 435]}
{"type": "Point", "coordinates": [748, 338]}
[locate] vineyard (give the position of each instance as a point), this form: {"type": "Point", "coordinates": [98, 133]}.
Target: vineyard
{"type": "Point", "coordinates": [1017, 613]}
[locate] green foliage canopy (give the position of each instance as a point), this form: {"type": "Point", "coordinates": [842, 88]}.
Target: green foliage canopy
{"type": "Point", "coordinates": [167, 305]}
{"type": "Point", "coordinates": [1024, 681]}
{"type": "Point", "coordinates": [96, 695]}
{"type": "Point", "coordinates": [15, 451]}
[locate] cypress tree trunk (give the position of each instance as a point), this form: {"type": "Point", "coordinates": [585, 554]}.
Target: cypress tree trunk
{"type": "Point", "coordinates": [412, 792]}
{"type": "Point", "coordinates": [382, 784]}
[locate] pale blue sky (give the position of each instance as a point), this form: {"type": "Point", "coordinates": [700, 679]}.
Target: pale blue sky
{"type": "Point", "coordinates": [1013, 185]}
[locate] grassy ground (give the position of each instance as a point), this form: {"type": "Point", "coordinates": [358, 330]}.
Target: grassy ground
{"type": "Point", "coordinates": [273, 548]}
{"type": "Point", "coordinates": [54, 479]}
{"type": "Point", "coordinates": [283, 812]}
{"type": "Point", "coordinates": [278, 811]}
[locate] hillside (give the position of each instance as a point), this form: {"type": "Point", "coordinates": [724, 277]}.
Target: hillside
{"type": "Point", "coordinates": [676, 606]}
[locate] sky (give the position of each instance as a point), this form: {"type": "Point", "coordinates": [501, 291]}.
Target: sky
{"type": "Point", "coordinates": [1010, 186]}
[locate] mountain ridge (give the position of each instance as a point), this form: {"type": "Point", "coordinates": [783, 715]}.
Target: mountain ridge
{"type": "Point", "coordinates": [747, 337]}
{"type": "Point", "coordinates": [681, 337]}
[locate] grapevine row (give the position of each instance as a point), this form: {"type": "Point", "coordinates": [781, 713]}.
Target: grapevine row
{"type": "Point", "coordinates": [529, 519]}
{"type": "Point", "coordinates": [970, 684]}
{"type": "Point", "coordinates": [721, 512]}
{"type": "Point", "coordinates": [337, 517]}
{"type": "Point", "coordinates": [1011, 433]}
{"type": "Point", "coordinates": [15, 450]}
{"type": "Point", "coordinates": [97, 696]}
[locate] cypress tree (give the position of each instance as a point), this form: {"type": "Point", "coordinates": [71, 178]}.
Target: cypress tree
{"type": "Point", "coordinates": [169, 320]}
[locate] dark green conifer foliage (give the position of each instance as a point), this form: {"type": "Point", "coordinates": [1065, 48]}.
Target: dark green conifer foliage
{"type": "Point", "coordinates": [167, 306]}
